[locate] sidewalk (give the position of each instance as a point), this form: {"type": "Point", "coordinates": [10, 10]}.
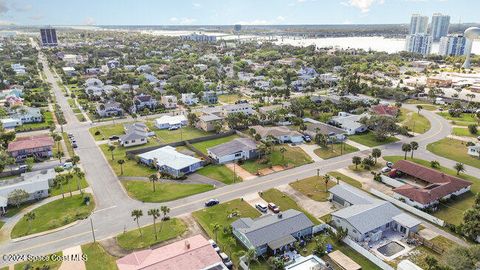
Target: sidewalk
{"type": "Point", "coordinates": [317, 209]}
{"type": "Point", "coordinates": [360, 147]}
{"type": "Point", "coordinates": [309, 149]}
{"type": "Point", "coordinates": [73, 265]}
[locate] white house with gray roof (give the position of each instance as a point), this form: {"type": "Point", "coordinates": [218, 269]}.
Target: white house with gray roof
{"type": "Point", "coordinates": [135, 134]}
{"type": "Point", "coordinates": [272, 233]}
{"type": "Point", "coordinates": [168, 160]}
{"type": "Point", "coordinates": [236, 149]}
{"type": "Point", "coordinates": [349, 122]}
{"type": "Point", "coordinates": [367, 218]}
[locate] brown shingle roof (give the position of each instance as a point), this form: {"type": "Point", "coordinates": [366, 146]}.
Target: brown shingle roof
{"type": "Point", "coordinates": [30, 143]}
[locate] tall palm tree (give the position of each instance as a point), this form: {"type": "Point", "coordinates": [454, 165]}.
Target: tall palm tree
{"type": "Point", "coordinates": [136, 214]}
{"type": "Point", "coordinates": [121, 162]}
{"type": "Point", "coordinates": [215, 229]}
{"type": "Point", "coordinates": [414, 146]}
{"type": "Point", "coordinates": [356, 160]}
{"type": "Point", "coordinates": [69, 177]}
{"type": "Point", "coordinates": [459, 167]}
{"type": "Point", "coordinates": [111, 148]}
{"type": "Point", "coordinates": [250, 255]}
{"type": "Point", "coordinates": [78, 172]}
{"type": "Point", "coordinates": [282, 151]}
{"type": "Point", "coordinates": [419, 108]}
{"type": "Point", "coordinates": [165, 210]}
{"type": "Point", "coordinates": [376, 153]}
{"type": "Point", "coordinates": [30, 216]}
{"type": "Point", "coordinates": [326, 178]}
{"type": "Point", "coordinates": [155, 213]}
{"type": "Point", "coordinates": [406, 148]}
{"type": "Point", "coordinates": [153, 178]}
{"type": "Point", "coordinates": [75, 160]}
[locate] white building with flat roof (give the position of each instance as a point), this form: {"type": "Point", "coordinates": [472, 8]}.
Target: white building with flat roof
{"type": "Point", "coordinates": [168, 160]}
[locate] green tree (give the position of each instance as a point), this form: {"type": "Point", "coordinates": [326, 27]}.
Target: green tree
{"type": "Point", "coordinates": [153, 178]}
{"type": "Point", "coordinates": [414, 147]}
{"type": "Point", "coordinates": [326, 179]}
{"type": "Point", "coordinates": [419, 108]}
{"type": "Point", "coordinates": [215, 228]}
{"type": "Point", "coordinates": [111, 148]}
{"type": "Point", "coordinates": [282, 151]}
{"type": "Point", "coordinates": [376, 153]}
{"type": "Point", "coordinates": [136, 214]}
{"type": "Point", "coordinates": [406, 147]}
{"type": "Point", "coordinates": [30, 216]}
{"type": "Point", "coordinates": [155, 213]}
{"type": "Point", "coordinates": [121, 162]}
{"type": "Point", "coordinates": [434, 164]}
{"type": "Point", "coordinates": [357, 161]}
{"type": "Point", "coordinates": [17, 196]}
{"type": "Point", "coordinates": [459, 167]}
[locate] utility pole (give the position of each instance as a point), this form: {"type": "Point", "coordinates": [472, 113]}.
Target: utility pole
{"type": "Point", "coordinates": [93, 231]}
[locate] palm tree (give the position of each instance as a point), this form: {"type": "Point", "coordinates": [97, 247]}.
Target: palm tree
{"type": "Point", "coordinates": [376, 153]}
{"type": "Point", "coordinates": [434, 164]}
{"type": "Point", "coordinates": [57, 138]}
{"type": "Point", "coordinates": [30, 216]}
{"type": "Point", "coordinates": [136, 214]}
{"type": "Point", "coordinates": [215, 229]}
{"type": "Point", "coordinates": [69, 177]}
{"type": "Point", "coordinates": [153, 178]}
{"type": "Point", "coordinates": [326, 178]}
{"type": "Point", "coordinates": [283, 150]}
{"type": "Point", "coordinates": [78, 172]}
{"type": "Point", "coordinates": [459, 167]}
{"type": "Point", "coordinates": [419, 108]}
{"type": "Point", "coordinates": [121, 162]}
{"type": "Point", "coordinates": [155, 213]}
{"type": "Point", "coordinates": [250, 255]}
{"type": "Point", "coordinates": [165, 210]}
{"type": "Point", "coordinates": [111, 148]}
{"type": "Point", "coordinates": [414, 146]}
{"type": "Point", "coordinates": [75, 160]}
{"type": "Point", "coordinates": [406, 148]}
{"type": "Point", "coordinates": [357, 161]}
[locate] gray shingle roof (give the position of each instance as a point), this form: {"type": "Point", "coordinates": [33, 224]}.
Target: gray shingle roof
{"type": "Point", "coordinates": [351, 194]}
{"type": "Point", "coordinates": [269, 228]}
{"type": "Point", "coordinates": [233, 146]}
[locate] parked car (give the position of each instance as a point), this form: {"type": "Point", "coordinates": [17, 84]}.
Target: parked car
{"type": "Point", "coordinates": [307, 138]}
{"type": "Point", "coordinates": [386, 169]}
{"type": "Point", "coordinates": [70, 135]}
{"type": "Point", "coordinates": [114, 138]}
{"type": "Point", "coordinates": [74, 145]}
{"type": "Point", "coordinates": [478, 138]}
{"type": "Point", "coordinates": [226, 260]}
{"type": "Point", "coordinates": [389, 164]}
{"type": "Point", "coordinates": [214, 245]}
{"type": "Point", "coordinates": [67, 165]}
{"type": "Point", "coordinates": [212, 202]}
{"type": "Point", "coordinates": [261, 207]}
{"type": "Point", "coordinates": [274, 208]}
{"type": "Point", "coordinates": [173, 128]}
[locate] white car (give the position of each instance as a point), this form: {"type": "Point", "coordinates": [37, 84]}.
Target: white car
{"type": "Point", "coordinates": [386, 169]}
{"type": "Point", "coordinates": [214, 245]}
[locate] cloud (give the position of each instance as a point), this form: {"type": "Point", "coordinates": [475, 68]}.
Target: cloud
{"type": "Point", "coordinates": [21, 8]}
{"type": "Point", "coordinates": [281, 18]}
{"type": "Point", "coordinates": [89, 21]}
{"type": "Point", "coordinates": [278, 19]}
{"type": "Point", "coordinates": [197, 5]}
{"type": "Point", "coordinates": [36, 17]}
{"type": "Point", "coordinates": [3, 6]}
{"type": "Point", "coordinates": [363, 5]}
{"type": "Point", "coordinates": [183, 20]}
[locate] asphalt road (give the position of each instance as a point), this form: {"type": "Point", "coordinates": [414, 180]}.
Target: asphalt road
{"type": "Point", "coordinates": [113, 205]}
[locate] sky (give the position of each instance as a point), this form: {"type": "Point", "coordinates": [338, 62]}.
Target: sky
{"type": "Point", "coordinates": [227, 12]}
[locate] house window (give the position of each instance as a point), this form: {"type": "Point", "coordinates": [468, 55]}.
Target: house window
{"type": "Point", "coordinates": [133, 141]}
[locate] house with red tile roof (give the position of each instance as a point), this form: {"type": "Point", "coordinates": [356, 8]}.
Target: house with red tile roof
{"type": "Point", "coordinates": [385, 110]}
{"type": "Point", "coordinates": [191, 253]}
{"type": "Point", "coordinates": [39, 147]}
{"type": "Point", "coordinates": [426, 186]}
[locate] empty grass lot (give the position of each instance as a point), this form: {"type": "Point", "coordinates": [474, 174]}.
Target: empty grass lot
{"type": "Point", "coordinates": [314, 187]}
{"type": "Point", "coordinates": [165, 230]}
{"type": "Point", "coordinates": [220, 173]}
{"type": "Point", "coordinates": [54, 215]}
{"type": "Point", "coordinates": [98, 258]}
{"type": "Point", "coordinates": [49, 264]}
{"type": "Point", "coordinates": [230, 98]}
{"type": "Point", "coordinates": [284, 202]}
{"type": "Point", "coordinates": [107, 131]}
{"type": "Point", "coordinates": [346, 179]}
{"type": "Point", "coordinates": [463, 132]}
{"type": "Point", "coordinates": [451, 212]}
{"type": "Point", "coordinates": [164, 192]}
{"type": "Point", "coordinates": [72, 185]}
{"type": "Point", "coordinates": [335, 150]}
{"type": "Point", "coordinates": [293, 157]}
{"type": "Point", "coordinates": [415, 122]}
{"type": "Point", "coordinates": [465, 119]}
{"type": "Point", "coordinates": [181, 134]}
{"type": "Point", "coordinates": [219, 214]}
{"type": "Point", "coordinates": [203, 146]}
{"type": "Point", "coordinates": [130, 167]}
{"type": "Point", "coordinates": [455, 150]}
{"type": "Point", "coordinates": [368, 139]}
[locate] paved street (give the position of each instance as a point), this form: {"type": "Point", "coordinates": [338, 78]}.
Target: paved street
{"type": "Point", "coordinates": [113, 206]}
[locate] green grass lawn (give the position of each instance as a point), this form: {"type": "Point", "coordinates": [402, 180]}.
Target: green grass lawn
{"type": "Point", "coordinates": [80, 117]}
{"type": "Point", "coordinates": [47, 122]}
{"type": "Point", "coordinates": [413, 121]}
{"type": "Point", "coordinates": [130, 167]}
{"type": "Point", "coordinates": [293, 157]}
{"type": "Point", "coordinates": [464, 120]}
{"type": "Point", "coordinates": [98, 258]}
{"type": "Point", "coordinates": [284, 202]}
{"type": "Point", "coordinates": [368, 139]}
{"type": "Point", "coordinates": [455, 150]}
{"type": "Point", "coordinates": [68, 144]}
{"type": "Point", "coordinates": [230, 98]}
{"type": "Point", "coordinates": [313, 187]}
{"type": "Point", "coordinates": [346, 179]}
{"type": "Point", "coordinates": [181, 134]}
{"type": "Point", "coordinates": [335, 150]}
{"type": "Point", "coordinates": [220, 173]}
{"type": "Point", "coordinates": [165, 230]}
{"type": "Point", "coordinates": [164, 192]}
{"type": "Point", "coordinates": [53, 215]}
{"type": "Point", "coordinates": [107, 131]}
{"type": "Point", "coordinates": [72, 185]}
{"type": "Point", "coordinates": [458, 131]}
{"type": "Point", "coordinates": [451, 212]}
{"type": "Point", "coordinates": [1, 224]}
{"type": "Point", "coordinates": [219, 214]}
{"type": "Point", "coordinates": [203, 146]}
{"type": "Point", "coordinates": [50, 264]}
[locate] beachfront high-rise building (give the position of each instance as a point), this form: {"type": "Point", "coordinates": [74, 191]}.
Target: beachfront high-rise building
{"type": "Point", "coordinates": [418, 24]}
{"type": "Point", "coordinates": [470, 34]}
{"type": "Point", "coordinates": [440, 25]}
{"type": "Point", "coordinates": [418, 43]}
{"type": "Point", "coordinates": [48, 37]}
{"type": "Point", "coordinates": [452, 45]}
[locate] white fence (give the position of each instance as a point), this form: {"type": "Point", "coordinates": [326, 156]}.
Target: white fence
{"type": "Point", "coordinates": [367, 254]}
{"type": "Point", "coordinates": [408, 208]}
{"type": "Point", "coordinates": [391, 182]}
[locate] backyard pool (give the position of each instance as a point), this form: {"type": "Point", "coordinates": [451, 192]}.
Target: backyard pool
{"type": "Point", "coordinates": [390, 249]}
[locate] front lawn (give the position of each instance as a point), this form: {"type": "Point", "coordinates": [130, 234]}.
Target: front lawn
{"type": "Point", "coordinates": [220, 214]}
{"type": "Point", "coordinates": [68, 144]}
{"type": "Point", "coordinates": [293, 157]}
{"type": "Point", "coordinates": [335, 150]}
{"type": "Point", "coordinates": [165, 230]}
{"type": "Point", "coordinates": [47, 122]}
{"type": "Point", "coordinates": [230, 98]}
{"type": "Point", "coordinates": [203, 146]}
{"type": "Point", "coordinates": [284, 202]}
{"type": "Point", "coordinates": [368, 139]}
{"type": "Point", "coordinates": [346, 179]}
{"type": "Point", "coordinates": [72, 185]}
{"type": "Point", "coordinates": [455, 150]}
{"type": "Point", "coordinates": [181, 134]}
{"type": "Point", "coordinates": [164, 192]}
{"type": "Point", "coordinates": [463, 132]}
{"type": "Point", "coordinates": [413, 121]}
{"type": "Point", "coordinates": [98, 258]}
{"type": "Point", "coordinates": [50, 264]}
{"type": "Point", "coordinates": [451, 212]}
{"type": "Point", "coordinates": [313, 187]}
{"type": "Point", "coordinates": [220, 173]}
{"type": "Point", "coordinates": [107, 131]}
{"type": "Point", "coordinates": [465, 119]}
{"type": "Point", "coordinates": [54, 215]}
{"type": "Point", "coordinates": [130, 167]}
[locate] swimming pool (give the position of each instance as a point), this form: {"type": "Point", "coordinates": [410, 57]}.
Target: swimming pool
{"type": "Point", "coordinates": [390, 249]}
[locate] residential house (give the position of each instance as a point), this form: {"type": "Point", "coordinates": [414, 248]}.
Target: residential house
{"type": "Point", "coordinates": [39, 147]}
{"type": "Point", "coordinates": [189, 99]}
{"type": "Point", "coordinates": [384, 110]}
{"type": "Point", "coordinates": [13, 101]}
{"type": "Point", "coordinates": [274, 108]}
{"type": "Point", "coordinates": [207, 122]}
{"type": "Point", "coordinates": [272, 233]}
{"type": "Point", "coordinates": [474, 150]}
{"type": "Point", "coordinates": [8, 123]}
{"type": "Point", "coordinates": [169, 161]}
{"type": "Point", "coordinates": [306, 74]}
{"type": "Point", "coordinates": [210, 97]}
{"type": "Point", "coordinates": [36, 184]}
{"type": "Point", "coordinates": [111, 64]}
{"type": "Point", "coordinates": [110, 108]}
{"type": "Point", "coordinates": [333, 133]}
{"type": "Point", "coordinates": [262, 85]}
{"type": "Point", "coordinates": [143, 101]}
{"type": "Point", "coordinates": [91, 71]}
{"type": "Point", "coordinates": [349, 122]}
{"type": "Point", "coordinates": [244, 108]}
{"type": "Point", "coordinates": [169, 102]}
{"type": "Point", "coordinates": [425, 187]}
{"type": "Point", "coordinates": [439, 82]}
{"type": "Point", "coordinates": [19, 69]}
{"type": "Point", "coordinates": [366, 218]}
{"type": "Point", "coordinates": [194, 252]}
{"type": "Point", "coordinates": [167, 121]}
{"type": "Point", "coordinates": [144, 69]}
{"type": "Point", "coordinates": [236, 149]}
{"type": "Point", "coordinates": [27, 114]}
{"type": "Point", "coordinates": [94, 86]}
{"type": "Point", "coordinates": [329, 78]}
{"type": "Point", "coordinates": [69, 71]}
{"type": "Point", "coordinates": [281, 134]}
{"type": "Point", "coordinates": [309, 262]}
{"type": "Point", "coordinates": [135, 134]}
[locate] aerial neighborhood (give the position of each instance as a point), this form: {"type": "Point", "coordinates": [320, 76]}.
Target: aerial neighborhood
{"type": "Point", "coordinates": [142, 149]}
